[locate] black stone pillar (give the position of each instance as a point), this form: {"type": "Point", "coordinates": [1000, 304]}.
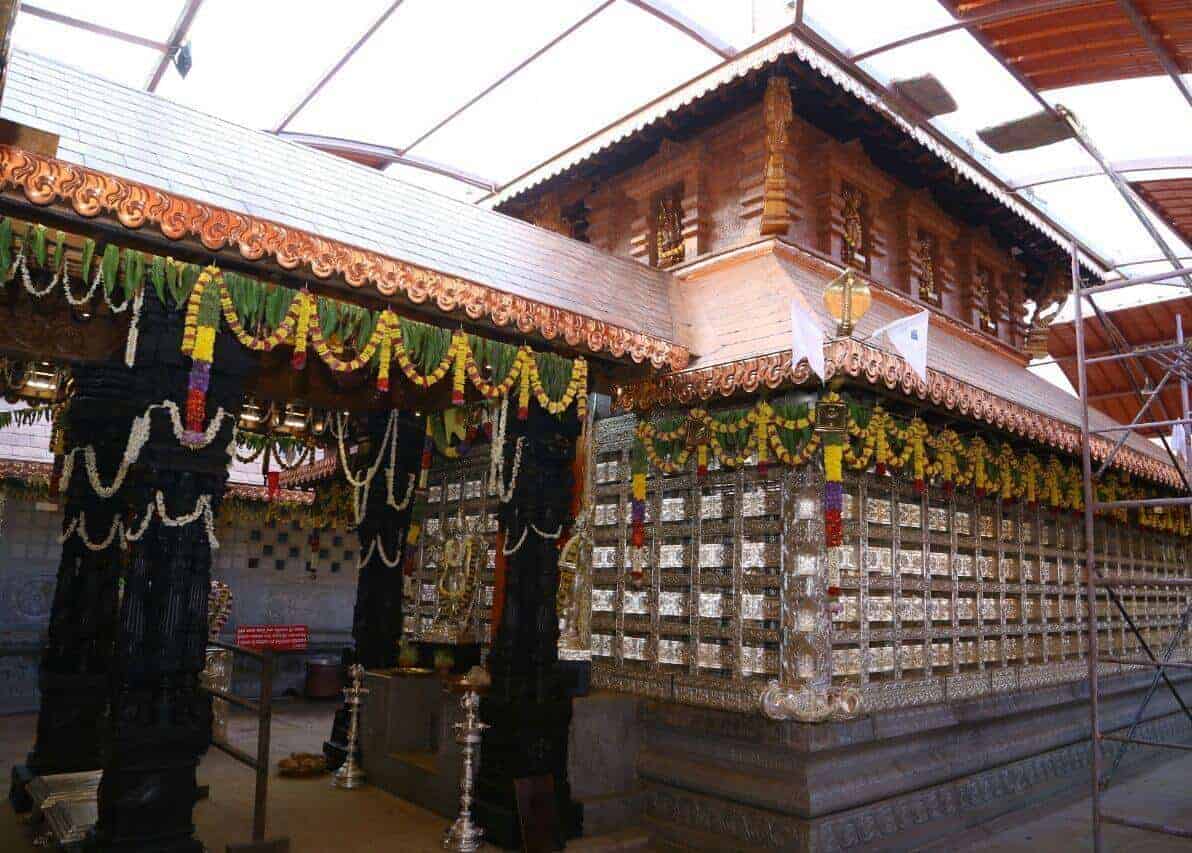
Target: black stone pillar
{"type": "Point", "coordinates": [527, 710]}
{"type": "Point", "coordinates": [75, 661]}
{"type": "Point", "coordinates": [160, 719]}
{"type": "Point", "coordinates": [377, 618]}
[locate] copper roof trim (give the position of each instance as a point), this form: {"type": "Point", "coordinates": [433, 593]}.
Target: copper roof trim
{"type": "Point", "coordinates": [19, 469]}
{"type": "Point", "coordinates": [247, 492]}
{"type": "Point", "coordinates": [311, 472]}
{"type": "Point", "coordinates": [46, 181]}
{"type": "Point", "coordinates": [858, 360]}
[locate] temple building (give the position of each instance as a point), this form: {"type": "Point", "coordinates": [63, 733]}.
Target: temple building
{"type": "Point", "coordinates": [711, 484]}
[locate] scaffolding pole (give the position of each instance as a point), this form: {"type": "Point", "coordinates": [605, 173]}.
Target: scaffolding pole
{"type": "Point", "coordinates": [1095, 579]}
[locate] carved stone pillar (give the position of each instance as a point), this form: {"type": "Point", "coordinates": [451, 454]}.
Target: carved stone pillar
{"type": "Point", "coordinates": [377, 618]}
{"type": "Point", "coordinates": [74, 666]}
{"type": "Point", "coordinates": [160, 718]}
{"type": "Point", "coordinates": [528, 714]}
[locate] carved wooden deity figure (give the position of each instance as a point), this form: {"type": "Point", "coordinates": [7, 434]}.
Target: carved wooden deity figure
{"type": "Point", "coordinates": [668, 229]}
{"type": "Point", "coordinates": [526, 708]}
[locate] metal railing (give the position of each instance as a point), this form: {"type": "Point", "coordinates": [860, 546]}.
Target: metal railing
{"type": "Point", "coordinates": [263, 708]}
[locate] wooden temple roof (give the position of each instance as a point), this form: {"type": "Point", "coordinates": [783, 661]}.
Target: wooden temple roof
{"type": "Point", "coordinates": [1171, 198]}
{"type": "Point", "coordinates": [1109, 385]}
{"type": "Point", "coordinates": [142, 160]}
{"type": "Point", "coordinates": [1074, 43]}
{"type": "Point", "coordinates": [831, 92]}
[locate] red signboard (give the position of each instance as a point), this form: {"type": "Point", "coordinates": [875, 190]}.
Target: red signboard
{"type": "Point", "coordinates": [281, 638]}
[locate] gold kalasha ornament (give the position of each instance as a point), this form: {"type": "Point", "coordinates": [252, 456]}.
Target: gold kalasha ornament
{"type": "Point", "coordinates": [847, 299]}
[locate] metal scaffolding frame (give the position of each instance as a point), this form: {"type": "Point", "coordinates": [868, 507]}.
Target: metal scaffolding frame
{"type": "Point", "coordinates": [1176, 361]}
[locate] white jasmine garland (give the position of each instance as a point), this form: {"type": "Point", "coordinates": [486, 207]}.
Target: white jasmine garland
{"type": "Point", "coordinates": [78, 526]}
{"type": "Point", "coordinates": [509, 552]}
{"type": "Point", "coordinates": [202, 509]}
{"type": "Point", "coordinates": [138, 437]}
{"type": "Point", "coordinates": [130, 349]}
{"type": "Point", "coordinates": [548, 536]}
{"type": "Point", "coordinates": [496, 465]}
{"type": "Point", "coordinates": [86, 297]}
{"type": "Point", "coordinates": [379, 548]}
{"type": "Point", "coordinates": [22, 266]}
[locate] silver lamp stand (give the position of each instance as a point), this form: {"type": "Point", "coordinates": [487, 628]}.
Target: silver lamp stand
{"type": "Point", "coordinates": [350, 774]}
{"type": "Point", "coordinates": [464, 836]}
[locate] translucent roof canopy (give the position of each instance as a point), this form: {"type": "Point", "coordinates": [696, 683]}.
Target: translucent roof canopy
{"type": "Point", "coordinates": [463, 97]}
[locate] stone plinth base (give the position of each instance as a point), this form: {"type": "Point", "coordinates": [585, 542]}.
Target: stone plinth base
{"type": "Point", "coordinates": [893, 781]}
{"type": "Point", "coordinates": [700, 779]}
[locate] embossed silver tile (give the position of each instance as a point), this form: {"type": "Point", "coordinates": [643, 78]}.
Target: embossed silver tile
{"type": "Point", "coordinates": [636, 602]}
{"type": "Point", "coordinates": [910, 515]}
{"type": "Point", "coordinates": [604, 600]}
{"type": "Point", "coordinates": [753, 659]}
{"type": "Point", "coordinates": [710, 656]}
{"type": "Point", "coordinates": [453, 491]}
{"type": "Point", "coordinates": [753, 606]}
{"type": "Point", "coordinates": [937, 519]}
{"type": "Point", "coordinates": [607, 514]}
{"type": "Point", "coordinates": [472, 489]}
{"type": "Point", "coordinates": [712, 554]}
{"type": "Point", "coordinates": [671, 556]}
{"type": "Point", "coordinates": [633, 648]}
{"type": "Point", "coordinates": [433, 525]}
{"type": "Point", "coordinates": [753, 503]}
{"type": "Point", "coordinates": [711, 605]}
{"type": "Point", "coordinates": [602, 644]}
{"type": "Point", "coordinates": [674, 509]}
{"type": "Point", "coordinates": [964, 523]}
{"type": "Point", "coordinates": [604, 556]}
{"type": "Point", "coordinates": [672, 652]}
{"type": "Point", "coordinates": [712, 506]}
{"type": "Point", "coordinates": [672, 604]}
{"type": "Point", "coordinates": [753, 555]}
{"type": "Point", "coordinates": [877, 511]}
{"type": "Point", "coordinates": [434, 494]}
{"type": "Point", "coordinates": [428, 592]}
{"type": "Point", "coordinates": [937, 563]}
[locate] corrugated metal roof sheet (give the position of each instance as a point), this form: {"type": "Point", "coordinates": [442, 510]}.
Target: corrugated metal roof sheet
{"type": "Point", "coordinates": [142, 137]}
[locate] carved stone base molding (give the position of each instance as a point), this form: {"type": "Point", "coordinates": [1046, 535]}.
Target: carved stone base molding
{"type": "Point", "coordinates": [892, 781]}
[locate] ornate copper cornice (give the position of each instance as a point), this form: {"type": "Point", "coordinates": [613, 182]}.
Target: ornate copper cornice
{"type": "Point", "coordinates": [246, 492]}
{"type": "Point", "coordinates": [857, 360]}
{"type": "Point", "coordinates": [314, 471]}
{"type": "Point", "coordinates": [28, 472]}
{"type": "Point", "coordinates": [46, 181]}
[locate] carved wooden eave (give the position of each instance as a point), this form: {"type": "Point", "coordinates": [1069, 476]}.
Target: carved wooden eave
{"type": "Point", "coordinates": [46, 181]}
{"type": "Point", "coordinates": [881, 369]}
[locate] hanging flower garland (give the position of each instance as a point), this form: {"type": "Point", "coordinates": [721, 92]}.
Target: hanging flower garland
{"type": "Point", "coordinates": [638, 466]}
{"type": "Point", "coordinates": [198, 341]}
{"type": "Point", "coordinates": [875, 440]}
{"type": "Point", "coordinates": [301, 324]}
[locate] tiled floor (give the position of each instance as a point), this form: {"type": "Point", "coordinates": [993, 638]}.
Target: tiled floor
{"type": "Point", "coordinates": [319, 818]}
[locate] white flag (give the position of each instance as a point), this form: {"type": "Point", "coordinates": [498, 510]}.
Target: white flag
{"type": "Point", "coordinates": [1179, 440]}
{"type": "Point", "coordinates": [909, 337]}
{"type": "Point", "coordinates": [807, 340]}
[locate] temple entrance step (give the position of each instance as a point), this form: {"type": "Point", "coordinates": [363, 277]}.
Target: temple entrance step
{"type": "Point", "coordinates": [634, 838]}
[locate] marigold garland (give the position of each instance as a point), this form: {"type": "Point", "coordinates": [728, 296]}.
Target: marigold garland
{"type": "Point", "coordinates": [880, 442]}
{"type": "Point", "coordinates": [302, 326]}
